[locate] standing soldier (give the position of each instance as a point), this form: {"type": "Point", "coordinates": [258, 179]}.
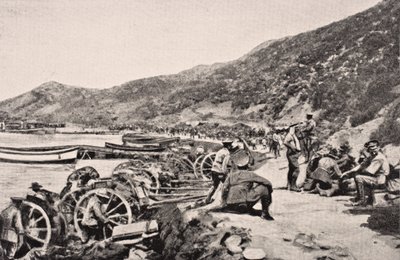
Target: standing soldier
{"type": "Point", "coordinates": [293, 153]}
{"type": "Point", "coordinates": [275, 144]}
{"type": "Point", "coordinates": [219, 167]}
{"type": "Point", "coordinates": [94, 219]}
{"type": "Point", "coordinates": [11, 227]}
{"type": "Point", "coordinates": [308, 130]}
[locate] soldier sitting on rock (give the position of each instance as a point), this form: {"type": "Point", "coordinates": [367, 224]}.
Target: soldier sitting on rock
{"type": "Point", "coordinates": [370, 174]}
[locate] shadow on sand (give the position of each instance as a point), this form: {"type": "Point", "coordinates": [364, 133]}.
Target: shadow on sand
{"type": "Point", "coordinates": [385, 220]}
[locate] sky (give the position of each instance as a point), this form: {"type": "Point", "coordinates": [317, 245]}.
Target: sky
{"type": "Point", "coordinates": [104, 43]}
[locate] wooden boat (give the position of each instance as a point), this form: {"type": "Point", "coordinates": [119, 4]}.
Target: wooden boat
{"type": "Point", "coordinates": [35, 131]}
{"type": "Point", "coordinates": [148, 140]}
{"type": "Point", "coordinates": [38, 149]}
{"type": "Point", "coordinates": [133, 148]}
{"type": "Point", "coordinates": [45, 155]}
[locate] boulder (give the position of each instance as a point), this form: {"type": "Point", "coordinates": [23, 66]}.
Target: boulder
{"type": "Point", "coordinates": [232, 244]}
{"type": "Point", "coordinates": [136, 254]}
{"type": "Point", "coordinates": [252, 253]}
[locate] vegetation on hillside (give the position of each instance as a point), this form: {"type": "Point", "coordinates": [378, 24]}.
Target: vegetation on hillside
{"type": "Point", "coordinates": [345, 69]}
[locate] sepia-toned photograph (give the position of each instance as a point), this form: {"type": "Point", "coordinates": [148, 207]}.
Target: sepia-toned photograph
{"type": "Point", "coordinates": [200, 129]}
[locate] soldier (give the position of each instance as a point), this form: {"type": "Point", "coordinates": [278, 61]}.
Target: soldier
{"type": "Point", "coordinates": [308, 131]}
{"type": "Point", "coordinates": [372, 174]}
{"type": "Point", "coordinates": [39, 192]}
{"type": "Point", "coordinates": [11, 228]}
{"type": "Point", "coordinates": [275, 144]}
{"type": "Point", "coordinates": [219, 167]}
{"type": "Point", "coordinates": [293, 153]}
{"type": "Point", "coordinates": [345, 160]}
{"type": "Point", "coordinates": [242, 188]}
{"type": "Point", "coordinates": [93, 219]}
{"type": "Point", "coordinates": [326, 176]}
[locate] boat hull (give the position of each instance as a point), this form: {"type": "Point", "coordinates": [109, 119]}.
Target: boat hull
{"type": "Point", "coordinates": [60, 156]}
{"type": "Point", "coordinates": [135, 149]}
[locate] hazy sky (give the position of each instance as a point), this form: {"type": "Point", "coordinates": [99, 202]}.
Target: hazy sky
{"type": "Point", "coordinates": [103, 43]}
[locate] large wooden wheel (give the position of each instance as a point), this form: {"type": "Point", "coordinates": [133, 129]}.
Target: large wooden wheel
{"type": "Point", "coordinates": [68, 203]}
{"type": "Point", "coordinates": [197, 165]}
{"type": "Point", "coordinates": [181, 166]}
{"type": "Point", "coordinates": [146, 177]}
{"type": "Point", "coordinates": [122, 177]}
{"type": "Point", "coordinates": [206, 165]}
{"type": "Point", "coordinates": [37, 225]}
{"type": "Point", "coordinates": [129, 176]}
{"type": "Point", "coordinates": [135, 164]}
{"type": "Point", "coordinates": [114, 207]}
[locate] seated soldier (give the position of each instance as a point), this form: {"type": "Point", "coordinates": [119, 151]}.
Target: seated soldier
{"type": "Point", "coordinates": [345, 161]}
{"type": "Point", "coordinates": [45, 198]}
{"type": "Point", "coordinates": [393, 182]}
{"type": "Point", "coordinates": [242, 188]}
{"type": "Point", "coordinates": [370, 174]}
{"type": "Point", "coordinates": [324, 177]}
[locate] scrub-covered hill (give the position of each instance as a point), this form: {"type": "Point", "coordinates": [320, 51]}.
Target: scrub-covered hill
{"type": "Point", "coordinates": [345, 70]}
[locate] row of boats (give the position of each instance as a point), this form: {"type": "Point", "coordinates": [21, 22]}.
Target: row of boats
{"type": "Point", "coordinates": [68, 154]}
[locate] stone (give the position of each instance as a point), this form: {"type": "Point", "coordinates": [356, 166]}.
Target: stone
{"type": "Point", "coordinates": [286, 238]}
{"type": "Point", "coordinates": [232, 244]}
{"type": "Point", "coordinates": [233, 240]}
{"type": "Point", "coordinates": [136, 254]}
{"type": "Point", "coordinates": [234, 249]}
{"type": "Point", "coordinates": [252, 253]}
{"type": "Point", "coordinates": [305, 241]}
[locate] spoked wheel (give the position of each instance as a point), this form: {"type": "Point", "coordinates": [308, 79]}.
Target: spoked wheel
{"type": "Point", "coordinates": [135, 164]}
{"type": "Point", "coordinates": [188, 166]}
{"type": "Point", "coordinates": [68, 203]}
{"type": "Point", "coordinates": [113, 206]}
{"type": "Point", "coordinates": [149, 179]}
{"type": "Point", "coordinates": [181, 166]}
{"type": "Point", "coordinates": [206, 165]}
{"type": "Point", "coordinates": [122, 177]}
{"type": "Point", "coordinates": [197, 165]}
{"type": "Point", "coordinates": [37, 225]}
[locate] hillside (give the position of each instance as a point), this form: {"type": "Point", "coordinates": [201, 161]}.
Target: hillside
{"type": "Point", "coordinates": [349, 68]}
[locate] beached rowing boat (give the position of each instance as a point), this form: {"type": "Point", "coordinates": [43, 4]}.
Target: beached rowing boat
{"type": "Point", "coordinates": [131, 140]}
{"type": "Point", "coordinates": [136, 149]}
{"type": "Point", "coordinates": [34, 155]}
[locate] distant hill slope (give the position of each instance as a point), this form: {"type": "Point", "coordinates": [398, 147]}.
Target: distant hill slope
{"type": "Point", "coordinates": [347, 68]}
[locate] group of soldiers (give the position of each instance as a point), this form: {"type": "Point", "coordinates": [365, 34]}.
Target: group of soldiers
{"type": "Point", "coordinates": [334, 174]}
{"type": "Point", "coordinates": [328, 174]}
{"type": "Point", "coordinates": [239, 187]}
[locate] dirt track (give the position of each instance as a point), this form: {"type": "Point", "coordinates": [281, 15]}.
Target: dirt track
{"type": "Point", "coordinates": [340, 232]}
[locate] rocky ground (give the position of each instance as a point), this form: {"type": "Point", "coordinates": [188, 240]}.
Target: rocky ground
{"type": "Point", "coordinates": [308, 226]}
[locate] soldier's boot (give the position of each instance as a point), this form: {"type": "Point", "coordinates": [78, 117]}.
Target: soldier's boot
{"type": "Point", "coordinates": [265, 202]}
{"type": "Point", "coordinates": [363, 199]}
{"type": "Point", "coordinates": [371, 196]}
{"type": "Point", "coordinates": [357, 197]}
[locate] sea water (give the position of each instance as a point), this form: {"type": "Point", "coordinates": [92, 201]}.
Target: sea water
{"type": "Point", "coordinates": [15, 179]}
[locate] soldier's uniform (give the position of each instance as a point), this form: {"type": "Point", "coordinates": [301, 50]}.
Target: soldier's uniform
{"type": "Point", "coordinates": [293, 153]}
{"type": "Point", "coordinates": [309, 134]}
{"type": "Point", "coordinates": [219, 168]}
{"type": "Point", "coordinates": [10, 228]}
{"type": "Point", "coordinates": [372, 175]}
{"type": "Point", "coordinates": [93, 219]}
{"type": "Point", "coordinates": [243, 189]}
